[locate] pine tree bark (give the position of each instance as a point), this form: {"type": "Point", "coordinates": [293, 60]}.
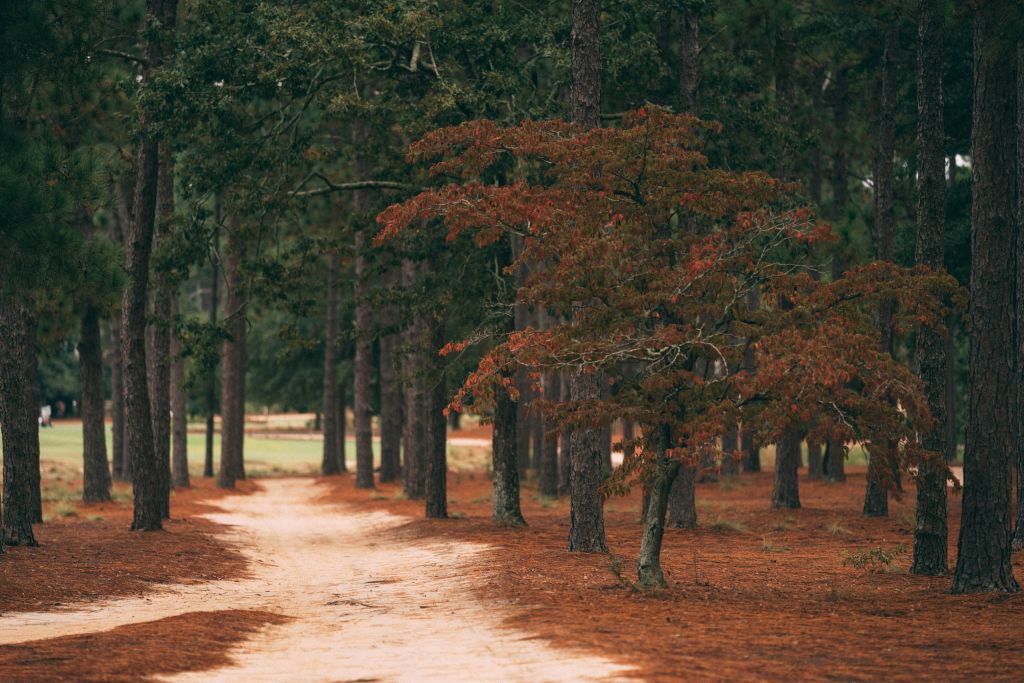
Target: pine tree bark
{"type": "Point", "coordinates": [342, 428]}
{"type": "Point", "coordinates": [565, 445]}
{"type": "Point", "coordinates": [116, 403]}
{"type": "Point", "coordinates": [521, 318]}
{"type": "Point", "coordinates": [19, 418]}
{"type": "Point", "coordinates": [648, 565]}
{"type": "Point", "coordinates": [1018, 537]}
{"type": "Point", "coordinates": [436, 480]}
{"type": "Point", "coordinates": [930, 528]}
{"type": "Point", "coordinates": [815, 462]}
{"type": "Point", "coordinates": [983, 557]}
{"type": "Point", "coordinates": [586, 516]}
{"type": "Point", "coordinates": [211, 378]}
{"type": "Point", "coordinates": [730, 444]}
{"type": "Point", "coordinates": [547, 484]}
{"type": "Point", "coordinates": [179, 412]}
{"type": "Point", "coordinates": [330, 463]}
{"type": "Point", "coordinates": [786, 494]}
{"type": "Point", "coordinates": [390, 398]}
{"type": "Point", "coordinates": [414, 432]}
{"type": "Point", "coordinates": [504, 463]}
{"type": "Point", "coordinates": [682, 503]}
{"type": "Point", "coordinates": [158, 353]}
{"type": "Point", "coordinates": [233, 364]}
{"type": "Point", "coordinates": [95, 469]}
{"type": "Point", "coordinates": [876, 495]}
{"type": "Point", "coordinates": [361, 399]}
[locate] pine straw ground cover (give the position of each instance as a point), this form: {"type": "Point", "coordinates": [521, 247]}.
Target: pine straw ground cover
{"type": "Point", "coordinates": [817, 593]}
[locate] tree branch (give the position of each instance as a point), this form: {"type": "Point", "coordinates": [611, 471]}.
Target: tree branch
{"type": "Point", "coordinates": [123, 55]}
{"type": "Point", "coordinates": [332, 186]}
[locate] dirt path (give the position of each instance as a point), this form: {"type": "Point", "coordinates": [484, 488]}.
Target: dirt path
{"type": "Point", "coordinates": [362, 610]}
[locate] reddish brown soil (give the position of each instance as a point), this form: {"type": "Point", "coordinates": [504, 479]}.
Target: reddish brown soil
{"type": "Point", "coordinates": [753, 593]}
{"type": "Point", "coordinates": [189, 642]}
{"type": "Point", "coordinates": [93, 554]}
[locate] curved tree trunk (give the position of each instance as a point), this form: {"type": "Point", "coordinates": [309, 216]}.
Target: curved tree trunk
{"type": "Point", "coordinates": [179, 412]}
{"type": "Point", "coordinates": [19, 417]}
{"type": "Point", "coordinates": [648, 565]}
{"type": "Point", "coordinates": [786, 494]}
{"type": "Point", "coordinates": [983, 557]}
{"type": "Point", "coordinates": [330, 463]}
{"type": "Point", "coordinates": [95, 469]}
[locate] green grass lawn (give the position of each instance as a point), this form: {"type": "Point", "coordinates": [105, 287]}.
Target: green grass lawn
{"type": "Point", "coordinates": [263, 456]}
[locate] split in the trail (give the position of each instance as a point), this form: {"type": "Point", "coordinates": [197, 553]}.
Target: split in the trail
{"type": "Point", "coordinates": [358, 609]}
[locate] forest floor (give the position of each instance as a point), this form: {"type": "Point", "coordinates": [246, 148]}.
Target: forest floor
{"type": "Point", "coordinates": [311, 579]}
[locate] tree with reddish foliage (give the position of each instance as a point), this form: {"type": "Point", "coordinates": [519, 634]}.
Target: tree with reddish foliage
{"type": "Point", "coordinates": [665, 250]}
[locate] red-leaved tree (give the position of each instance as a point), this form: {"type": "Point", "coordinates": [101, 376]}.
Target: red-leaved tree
{"type": "Point", "coordinates": [663, 250]}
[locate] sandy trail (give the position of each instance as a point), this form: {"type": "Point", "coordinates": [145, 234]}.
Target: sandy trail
{"type": "Point", "coordinates": [362, 610]}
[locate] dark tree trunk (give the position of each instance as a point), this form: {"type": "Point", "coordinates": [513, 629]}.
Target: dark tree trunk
{"type": "Point", "coordinates": [876, 495]}
{"type": "Point", "coordinates": [211, 378]}
{"type": "Point", "coordinates": [536, 439]}
{"type": "Point", "coordinates": [342, 428]}
{"type": "Point", "coordinates": [834, 462]}
{"type": "Point", "coordinates": [330, 464]}
{"type": "Point", "coordinates": [158, 354]}
{"type": "Point", "coordinates": [116, 402]}
{"type": "Point", "coordinates": [547, 484]}
{"type": "Point", "coordinates": [521, 317]}
{"type": "Point", "coordinates": [648, 564]}
{"type": "Point", "coordinates": [1018, 538]}
{"type": "Point", "coordinates": [95, 469]}
{"type": "Point", "coordinates": [786, 494]}
{"type": "Point", "coordinates": [146, 481]}
{"type": "Point", "coordinates": [390, 400]}
{"type": "Point", "coordinates": [730, 444]}
{"type": "Point", "coordinates": [983, 557]}
{"type": "Point", "coordinates": [179, 412]}
{"type": "Point", "coordinates": [565, 447]}
{"type": "Point", "coordinates": [751, 453]}
{"type": "Point", "coordinates": [505, 466]}
{"type": "Point", "coordinates": [586, 517]}
{"type": "Point", "coordinates": [689, 62]}
{"type": "Point", "coordinates": [361, 399]}
{"type": "Point", "coordinates": [815, 466]}
{"type": "Point", "coordinates": [233, 362]}
{"type": "Point", "coordinates": [436, 481]}
{"type": "Point", "coordinates": [682, 499]}
{"type": "Point", "coordinates": [414, 432]}
{"type": "Point", "coordinates": [19, 418]}
{"type": "Point", "coordinates": [930, 529]}
{"type": "Point", "coordinates": [121, 463]}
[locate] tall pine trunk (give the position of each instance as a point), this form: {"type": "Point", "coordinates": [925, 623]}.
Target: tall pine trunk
{"type": "Point", "coordinates": [121, 468]}
{"type": "Point", "coordinates": [211, 377]}
{"type": "Point", "coordinates": [330, 463]}
{"type": "Point", "coordinates": [1018, 538]}
{"type": "Point", "coordinates": [95, 469]}
{"type": "Point", "coordinates": [930, 528]}
{"type": "Point", "coordinates": [158, 353]}
{"type": "Point", "coordinates": [983, 557]}
{"type": "Point", "coordinates": [179, 411]}
{"type": "Point", "coordinates": [414, 432]}
{"type": "Point", "coordinates": [19, 417]}
{"type": "Point", "coordinates": [504, 463]}
{"type": "Point", "coordinates": [565, 445]}
{"type": "Point", "coordinates": [390, 397]}
{"type": "Point", "coordinates": [547, 482]}
{"type": "Point", "coordinates": [233, 363]}
{"type": "Point", "coordinates": [876, 495]}
{"type": "Point", "coordinates": [364, 322]}
{"type": "Point", "coordinates": [436, 425]}
{"type": "Point", "coordinates": [586, 510]}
